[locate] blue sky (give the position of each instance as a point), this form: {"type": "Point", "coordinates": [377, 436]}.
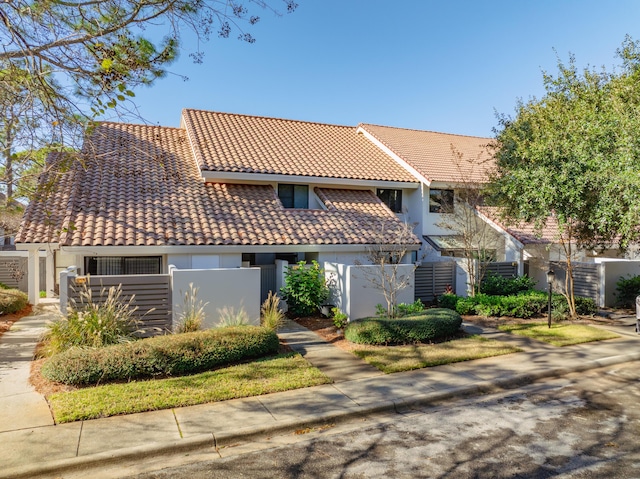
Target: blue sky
{"type": "Point", "coordinates": [444, 66]}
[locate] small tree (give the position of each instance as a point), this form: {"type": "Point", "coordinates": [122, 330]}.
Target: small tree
{"type": "Point", "coordinates": [389, 275]}
{"type": "Point", "coordinates": [305, 288]}
{"type": "Point", "coordinates": [478, 239]}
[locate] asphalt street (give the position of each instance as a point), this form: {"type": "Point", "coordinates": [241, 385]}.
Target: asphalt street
{"type": "Point", "coordinates": [584, 425]}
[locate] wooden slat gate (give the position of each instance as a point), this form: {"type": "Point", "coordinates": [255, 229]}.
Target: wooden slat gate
{"type": "Point", "coordinates": [504, 269]}
{"type": "Point", "coordinates": [432, 279]}
{"type": "Point", "coordinates": [152, 297]}
{"type": "Point", "coordinates": [14, 272]}
{"type": "Point", "coordinates": [267, 280]}
{"type": "Point", "coordinates": [586, 278]}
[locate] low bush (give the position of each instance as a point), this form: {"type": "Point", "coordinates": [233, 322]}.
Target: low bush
{"type": "Point", "coordinates": [586, 306]}
{"type": "Point", "coordinates": [525, 304]}
{"type": "Point", "coordinates": [168, 355]}
{"type": "Point", "coordinates": [448, 300]}
{"type": "Point", "coordinates": [12, 301]}
{"type": "Point", "coordinates": [626, 291]}
{"type": "Point", "coordinates": [429, 325]}
{"type": "Point", "coordinates": [496, 285]}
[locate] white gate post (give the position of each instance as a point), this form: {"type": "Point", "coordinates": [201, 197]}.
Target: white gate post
{"type": "Point", "coordinates": [33, 276]}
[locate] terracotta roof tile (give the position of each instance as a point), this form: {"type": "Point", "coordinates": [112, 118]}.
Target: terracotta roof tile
{"type": "Point", "coordinates": [526, 233]}
{"type": "Point", "coordinates": [140, 185]}
{"type": "Point", "coordinates": [431, 153]}
{"type": "Point", "coordinates": [226, 142]}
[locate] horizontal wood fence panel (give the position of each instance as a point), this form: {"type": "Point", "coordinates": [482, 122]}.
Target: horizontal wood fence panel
{"type": "Point", "coordinates": [432, 279]}
{"type": "Point", "coordinates": [504, 269]}
{"type": "Point", "coordinates": [151, 295]}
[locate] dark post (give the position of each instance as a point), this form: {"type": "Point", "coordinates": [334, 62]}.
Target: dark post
{"type": "Point", "coordinates": [550, 277]}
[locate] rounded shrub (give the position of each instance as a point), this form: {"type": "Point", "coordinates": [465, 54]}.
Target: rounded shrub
{"type": "Point", "coordinates": [12, 301]}
{"type": "Point", "coordinates": [161, 356]}
{"type": "Point", "coordinates": [429, 325]}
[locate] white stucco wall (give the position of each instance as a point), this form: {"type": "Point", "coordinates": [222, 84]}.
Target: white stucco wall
{"type": "Point", "coordinates": [354, 293]}
{"type": "Point", "coordinates": [612, 271]}
{"type": "Point", "coordinates": [226, 287]}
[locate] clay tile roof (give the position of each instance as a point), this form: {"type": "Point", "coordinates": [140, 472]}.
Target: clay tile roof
{"type": "Point", "coordinates": [140, 186]}
{"type": "Point", "coordinates": [432, 154]}
{"type": "Point", "coordinates": [226, 142]}
{"type": "Point", "coordinates": [526, 233]}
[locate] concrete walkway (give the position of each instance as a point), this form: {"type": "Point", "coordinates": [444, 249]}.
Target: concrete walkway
{"type": "Point", "coordinates": [34, 447]}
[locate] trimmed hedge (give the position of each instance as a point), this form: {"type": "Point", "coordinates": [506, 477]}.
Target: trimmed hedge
{"type": "Point", "coordinates": [12, 301]}
{"type": "Point", "coordinates": [161, 356]}
{"type": "Point", "coordinates": [499, 286]}
{"type": "Point", "coordinates": [522, 305]}
{"type": "Point", "coordinates": [432, 324]}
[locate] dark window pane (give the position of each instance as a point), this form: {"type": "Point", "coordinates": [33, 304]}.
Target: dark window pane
{"type": "Point", "coordinates": [301, 196]}
{"type": "Point", "coordinates": [440, 201]}
{"type": "Point", "coordinates": [294, 196]}
{"type": "Point", "coordinates": [112, 265]}
{"type": "Point", "coordinates": [285, 193]}
{"type": "Point", "coordinates": [391, 198]}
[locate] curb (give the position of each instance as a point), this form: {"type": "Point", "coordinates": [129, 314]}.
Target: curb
{"type": "Point", "coordinates": [211, 440]}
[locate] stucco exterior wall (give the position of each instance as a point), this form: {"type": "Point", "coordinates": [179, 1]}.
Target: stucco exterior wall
{"type": "Point", "coordinates": [220, 288]}
{"type": "Point", "coordinates": [355, 295]}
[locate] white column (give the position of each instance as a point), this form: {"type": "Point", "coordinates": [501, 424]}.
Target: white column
{"type": "Point", "coordinates": [33, 266]}
{"type": "Point", "coordinates": [50, 273]}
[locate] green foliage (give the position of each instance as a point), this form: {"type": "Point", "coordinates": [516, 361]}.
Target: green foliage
{"type": "Point", "coordinates": [12, 301]}
{"type": "Point", "coordinates": [4, 286]}
{"type": "Point", "coordinates": [400, 310]}
{"type": "Point", "coordinates": [340, 320]}
{"type": "Point", "coordinates": [500, 286]}
{"type": "Point", "coordinates": [573, 155]}
{"type": "Point", "coordinates": [101, 51]}
{"type": "Point", "coordinates": [305, 289]}
{"type": "Point", "coordinates": [271, 316]}
{"type": "Point", "coordinates": [191, 314]}
{"type": "Point", "coordinates": [168, 355]}
{"type": "Point", "coordinates": [93, 324]}
{"type": "Point", "coordinates": [586, 306]}
{"type": "Point", "coordinates": [428, 325]}
{"type": "Point", "coordinates": [626, 291]}
{"type": "Point", "coordinates": [448, 300]}
{"type": "Point", "coordinates": [525, 304]}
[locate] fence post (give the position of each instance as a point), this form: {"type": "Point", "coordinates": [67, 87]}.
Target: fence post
{"type": "Point", "coordinates": [65, 278]}
{"type": "Point", "coordinates": [637, 314]}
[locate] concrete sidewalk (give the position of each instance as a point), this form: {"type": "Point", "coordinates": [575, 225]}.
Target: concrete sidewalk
{"type": "Point", "coordinates": [34, 447]}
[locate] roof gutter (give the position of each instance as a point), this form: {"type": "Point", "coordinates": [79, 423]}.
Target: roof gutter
{"type": "Point", "coordinates": [261, 178]}
{"type": "Point", "coordinates": [222, 249]}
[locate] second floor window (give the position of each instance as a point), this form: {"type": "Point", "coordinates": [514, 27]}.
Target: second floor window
{"type": "Point", "coordinates": [294, 196]}
{"type": "Point", "coordinates": [391, 198]}
{"type": "Point", "coordinates": [440, 201]}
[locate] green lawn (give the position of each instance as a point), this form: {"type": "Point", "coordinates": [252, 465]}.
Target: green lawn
{"type": "Point", "coordinates": [559, 334]}
{"type": "Point", "coordinates": [392, 359]}
{"type": "Point", "coordinates": [282, 373]}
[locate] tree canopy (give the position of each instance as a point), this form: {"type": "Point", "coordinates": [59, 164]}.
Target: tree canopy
{"type": "Point", "coordinates": [574, 154]}
{"type": "Point", "coordinates": [65, 63]}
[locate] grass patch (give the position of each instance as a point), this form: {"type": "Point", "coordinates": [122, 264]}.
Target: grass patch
{"type": "Point", "coordinates": [281, 373]}
{"type": "Point", "coordinates": [393, 359]}
{"type": "Point", "coordinates": [559, 334]}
